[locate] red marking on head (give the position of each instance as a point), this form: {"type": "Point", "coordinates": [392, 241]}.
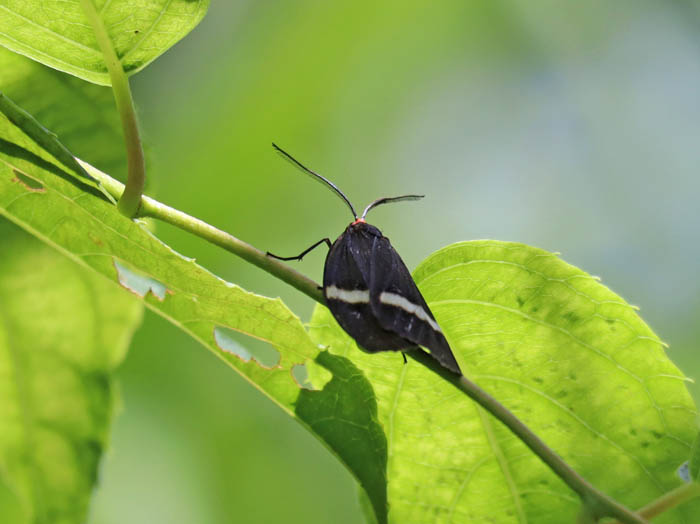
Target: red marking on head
{"type": "Point", "coordinates": [357, 221]}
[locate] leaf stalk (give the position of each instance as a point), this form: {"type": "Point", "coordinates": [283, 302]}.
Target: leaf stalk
{"type": "Point", "coordinates": [130, 199]}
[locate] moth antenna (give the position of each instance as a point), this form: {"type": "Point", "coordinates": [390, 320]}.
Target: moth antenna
{"type": "Point", "coordinates": [388, 200]}
{"type": "Point", "coordinates": [315, 176]}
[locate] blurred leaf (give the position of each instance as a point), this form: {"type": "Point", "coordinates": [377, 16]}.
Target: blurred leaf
{"type": "Point", "coordinates": [82, 115]}
{"type": "Point", "coordinates": [57, 33]}
{"type": "Point", "coordinates": [62, 334]}
{"type": "Point", "coordinates": [569, 357]}
{"type": "Point", "coordinates": [62, 212]}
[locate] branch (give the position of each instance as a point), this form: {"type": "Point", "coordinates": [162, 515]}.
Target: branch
{"type": "Point", "coordinates": [130, 200]}
{"type": "Point", "coordinates": [150, 207]}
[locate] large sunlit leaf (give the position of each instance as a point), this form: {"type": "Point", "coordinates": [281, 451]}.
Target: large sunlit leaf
{"type": "Point", "coordinates": [57, 33]}
{"type": "Point", "coordinates": [37, 194]}
{"type": "Point", "coordinates": [63, 331]}
{"type": "Point", "coordinates": [569, 357]}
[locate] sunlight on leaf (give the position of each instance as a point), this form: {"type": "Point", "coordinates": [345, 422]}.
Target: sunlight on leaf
{"type": "Point", "coordinates": [569, 357]}
{"type": "Point", "coordinates": [57, 33]}
{"type": "Point", "coordinates": [85, 227]}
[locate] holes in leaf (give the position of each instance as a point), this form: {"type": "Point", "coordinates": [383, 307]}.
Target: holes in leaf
{"type": "Point", "coordinates": [246, 348]}
{"type": "Point", "coordinates": [301, 376]}
{"type": "Point", "coordinates": [139, 283]}
{"type": "Point", "coordinates": [683, 471]}
{"type": "Point", "coordinates": [311, 375]}
{"type": "Point", "coordinates": [28, 182]}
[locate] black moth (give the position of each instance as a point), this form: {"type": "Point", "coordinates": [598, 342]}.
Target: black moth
{"type": "Point", "coordinates": [369, 290]}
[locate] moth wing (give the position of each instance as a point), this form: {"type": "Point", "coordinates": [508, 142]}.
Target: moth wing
{"type": "Point", "coordinates": [347, 273]}
{"type": "Point", "coordinates": [341, 269]}
{"type": "Point", "coordinates": [399, 307]}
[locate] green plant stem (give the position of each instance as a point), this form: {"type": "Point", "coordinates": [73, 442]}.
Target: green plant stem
{"type": "Point", "coordinates": [130, 200]}
{"type": "Point", "coordinates": [154, 209]}
{"type": "Point", "coordinates": [670, 500]}
{"type": "Point", "coordinates": [598, 503]}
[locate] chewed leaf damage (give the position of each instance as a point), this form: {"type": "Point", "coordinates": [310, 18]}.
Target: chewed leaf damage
{"type": "Point", "coordinates": [263, 353]}
{"type": "Point", "coordinates": [311, 375]}
{"type": "Point", "coordinates": [28, 182]}
{"type": "Point", "coordinates": [139, 283]}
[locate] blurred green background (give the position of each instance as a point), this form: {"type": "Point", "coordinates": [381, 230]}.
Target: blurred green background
{"type": "Point", "coordinates": [573, 127]}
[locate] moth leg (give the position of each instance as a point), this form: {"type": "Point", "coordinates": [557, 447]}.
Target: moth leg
{"type": "Point", "coordinates": [301, 255]}
{"type": "Point", "coordinates": [404, 358]}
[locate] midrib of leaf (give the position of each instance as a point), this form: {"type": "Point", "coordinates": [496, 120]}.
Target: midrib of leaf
{"type": "Point", "coordinates": [27, 420]}
{"type": "Point", "coordinates": [502, 463]}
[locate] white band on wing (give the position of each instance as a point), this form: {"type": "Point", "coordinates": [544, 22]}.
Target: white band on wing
{"type": "Point", "coordinates": [392, 299]}
{"type": "Point", "coordinates": [351, 296]}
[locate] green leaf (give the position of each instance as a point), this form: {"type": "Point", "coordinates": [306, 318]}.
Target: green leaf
{"type": "Point", "coordinates": [57, 33]}
{"type": "Point", "coordinates": [569, 357]}
{"type": "Point", "coordinates": [36, 194]}
{"type": "Point", "coordinates": [62, 333]}
{"type": "Point", "coordinates": [82, 115]}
